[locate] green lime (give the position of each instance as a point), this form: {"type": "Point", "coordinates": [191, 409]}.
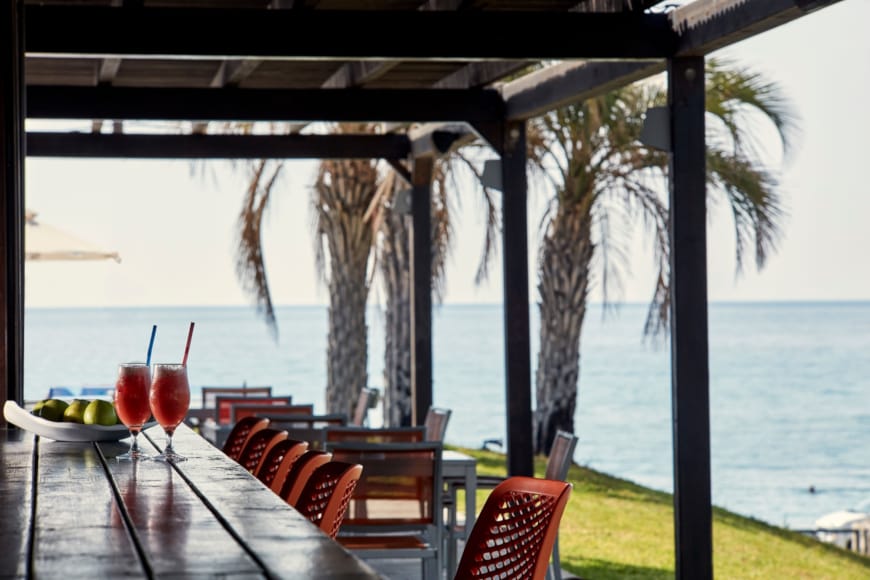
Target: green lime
{"type": "Point", "coordinates": [37, 407]}
{"type": "Point", "coordinates": [53, 409]}
{"type": "Point", "coordinates": [75, 413]}
{"type": "Point", "coordinates": [100, 412]}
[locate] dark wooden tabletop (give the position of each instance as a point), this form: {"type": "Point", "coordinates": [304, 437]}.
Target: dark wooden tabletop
{"type": "Point", "coordinates": [72, 510]}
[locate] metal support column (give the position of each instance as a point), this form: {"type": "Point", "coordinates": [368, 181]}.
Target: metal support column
{"type": "Point", "coordinates": [12, 200]}
{"type": "Point", "coordinates": [518, 366]}
{"type": "Point", "coordinates": [689, 341]}
{"type": "Point", "coordinates": [421, 288]}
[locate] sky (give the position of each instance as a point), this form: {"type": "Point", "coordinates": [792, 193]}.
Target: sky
{"type": "Point", "coordinates": [173, 222]}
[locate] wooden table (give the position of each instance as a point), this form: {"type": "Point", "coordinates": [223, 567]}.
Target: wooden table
{"type": "Point", "coordinates": [71, 510]}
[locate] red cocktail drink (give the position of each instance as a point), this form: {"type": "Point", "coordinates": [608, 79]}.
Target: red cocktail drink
{"type": "Point", "coordinates": [170, 400]}
{"type": "Point", "coordinates": [132, 403]}
{"type": "Point", "coordinates": [131, 396]}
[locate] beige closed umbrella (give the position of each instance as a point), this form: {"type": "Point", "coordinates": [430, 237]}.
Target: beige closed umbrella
{"type": "Point", "coordinates": [44, 242]}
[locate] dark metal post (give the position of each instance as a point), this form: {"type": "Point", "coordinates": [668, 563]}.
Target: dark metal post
{"type": "Point", "coordinates": [421, 288]}
{"type": "Point", "coordinates": [518, 366]}
{"type": "Point", "coordinates": [12, 200]}
{"type": "Point", "coordinates": [689, 349]}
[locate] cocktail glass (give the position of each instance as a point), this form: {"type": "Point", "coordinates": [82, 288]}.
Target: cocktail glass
{"type": "Point", "coordinates": [132, 404]}
{"type": "Point", "coordinates": [170, 400]}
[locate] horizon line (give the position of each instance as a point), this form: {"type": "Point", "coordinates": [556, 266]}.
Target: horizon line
{"type": "Point", "coordinates": [435, 307]}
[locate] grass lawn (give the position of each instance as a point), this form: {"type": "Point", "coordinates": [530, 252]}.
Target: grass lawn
{"type": "Point", "coordinates": [614, 529]}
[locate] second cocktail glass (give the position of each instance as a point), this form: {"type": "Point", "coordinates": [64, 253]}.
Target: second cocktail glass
{"type": "Point", "coordinates": [170, 400]}
{"type": "Point", "coordinates": [132, 403]}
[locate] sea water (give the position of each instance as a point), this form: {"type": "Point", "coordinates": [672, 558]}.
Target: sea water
{"type": "Point", "coordinates": [789, 385]}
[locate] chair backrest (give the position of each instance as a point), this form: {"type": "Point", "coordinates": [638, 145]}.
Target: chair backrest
{"type": "Point", "coordinates": [385, 435]}
{"type": "Point", "coordinates": [300, 472]}
{"type": "Point", "coordinates": [278, 461]}
{"type": "Point", "coordinates": [436, 423]}
{"type": "Point", "coordinates": [400, 487]}
{"type": "Point", "coordinates": [326, 495]}
{"type": "Point", "coordinates": [240, 433]}
{"type": "Point", "coordinates": [98, 391]}
{"type": "Point", "coordinates": [311, 428]}
{"type": "Point", "coordinates": [258, 447]}
{"type": "Point", "coordinates": [515, 531]}
{"type": "Point", "coordinates": [239, 410]}
{"type": "Point", "coordinates": [56, 392]}
{"type": "Point", "coordinates": [314, 421]}
{"type": "Point", "coordinates": [224, 405]}
{"type": "Point", "coordinates": [361, 410]}
{"type": "Point", "coordinates": [209, 394]}
{"type": "Point", "coordinates": [561, 455]}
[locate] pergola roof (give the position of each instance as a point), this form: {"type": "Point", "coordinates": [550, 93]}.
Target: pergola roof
{"type": "Point", "coordinates": [417, 61]}
{"type": "Point", "coordinates": [110, 53]}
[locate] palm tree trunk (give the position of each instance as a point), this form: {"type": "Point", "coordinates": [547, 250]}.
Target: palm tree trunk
{"type": "Point", "coordinates": [396, 267]}
{"type": "Point", "coordinates": [347, 360]}
{"type": "Point", "coordinates": [565, 261]}
{"type": "Point", "coordinates": [344, 191]}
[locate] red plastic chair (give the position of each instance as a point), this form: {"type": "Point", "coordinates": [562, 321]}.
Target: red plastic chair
{"type": "Point", "coordinates": [224, 405]}
{"type": "Point", "coordinates": [558, 462]}
{"type": "Point", "coordinates": [273, 470]}
{"type": "Point", "coordinates": [258, 447]}
{"type": "Point", "coordinates": [271, 411]}
{"type": "Point", "coordinates": [380, 435]}
{"type": "Point", "coordinates": [240, 434]}
{"type": "Point", "coordinates": [514, 533]}
{"type": "Point", "coordinates": [327, 493]}
{"type": "Point", "coordinates": [300, 472]}
{"type": "Point", "coordinates": [210, 394]}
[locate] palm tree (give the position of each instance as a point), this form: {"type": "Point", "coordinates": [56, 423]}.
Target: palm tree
{"type": "Point", "coordinates": [395, 265]}
{"type": "Point", "coordinates": [605, 180]}
{"type": "Point", "coordinates": [343, 192]}
{"type": "Point", "coordinates": [353, 205]}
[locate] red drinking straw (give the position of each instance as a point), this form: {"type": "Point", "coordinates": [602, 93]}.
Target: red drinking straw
{"type": "Point", "coordinates": [187, 346]}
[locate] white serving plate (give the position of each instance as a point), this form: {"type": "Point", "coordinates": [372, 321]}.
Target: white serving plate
{"type": "Point", "coordinates": [60, 431]}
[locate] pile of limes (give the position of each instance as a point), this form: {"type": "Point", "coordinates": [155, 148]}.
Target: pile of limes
{"type": "Point", "coordinates": [87, 412]}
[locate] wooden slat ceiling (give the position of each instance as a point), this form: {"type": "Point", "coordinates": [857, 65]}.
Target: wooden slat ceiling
{"type": "Point", "coordinates": [290, 74]}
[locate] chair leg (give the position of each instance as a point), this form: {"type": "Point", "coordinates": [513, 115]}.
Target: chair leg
{"type": "Point", "coordinates": [449, 542]}
{"type": "Point", "coordinates": [431, 569]}
{"type": "Point", "coordinates": [450, 552]}
{"type": "Point", "coordinates": [554, 570]}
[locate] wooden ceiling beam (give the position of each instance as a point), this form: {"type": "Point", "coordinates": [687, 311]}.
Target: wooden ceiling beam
{"type": "Point", "coordinates": [106, 73]}
{"type": "Point", "coordinates": [231, 73]}
{"type": "Point", "coordinates": [480, 74]}
{"type": "Point", "coordinates": [566, 83]}
{"type": "Point", "coordinates": [108, 70]}
{"type": "Point", "coordinates": [218, 146]}
{"type": "Point", "coordinates": [380, 35]}
{"type": "Point", "coordinates": [183, 104]}
{"type": "Point", "coordinates": [354, 74]}
{"type": "Point", "coordinates": [739, 22]}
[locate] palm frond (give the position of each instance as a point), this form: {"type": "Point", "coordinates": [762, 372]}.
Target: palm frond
{"type": "Point", "coordinates": [755, 204]}
{"type": "Point", "coordinates": [442, 227]}
{"type": "Point", "coordinates": [491, 229]}
{"type": "Point", "coordinates": [732, 91]}
{"type": "Point", "coordinates": [250, 265]}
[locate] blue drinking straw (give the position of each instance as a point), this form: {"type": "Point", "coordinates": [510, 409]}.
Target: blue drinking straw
{"type": "Point", "coordinates": [151, 345]}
